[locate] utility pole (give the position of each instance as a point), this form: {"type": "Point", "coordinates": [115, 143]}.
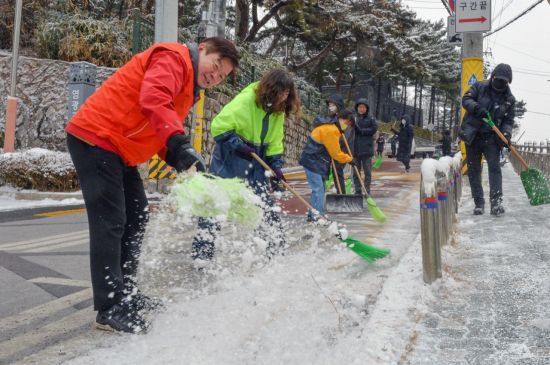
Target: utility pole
{"type": "Point", "coordinates": [212, 25]}
{"type": "Point", "coordinates": [472, 71]}
{"type": "Point", "coordinates": [166, 21]}
{"type": "Point", "coordinates": [11, 107]}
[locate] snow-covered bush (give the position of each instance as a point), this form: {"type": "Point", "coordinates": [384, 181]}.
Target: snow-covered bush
{"type": "Point", "coordinates": [102, 42]}
{"type": "Point", "coordinates": [38, 169]}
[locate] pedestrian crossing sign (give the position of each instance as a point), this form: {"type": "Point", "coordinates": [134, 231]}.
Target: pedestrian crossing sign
{"type": "Point", "coordinates": [472, 80]}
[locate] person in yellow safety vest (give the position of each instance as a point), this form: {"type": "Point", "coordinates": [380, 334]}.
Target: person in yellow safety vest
{"type": "Point", "coordinates": [322, 145]}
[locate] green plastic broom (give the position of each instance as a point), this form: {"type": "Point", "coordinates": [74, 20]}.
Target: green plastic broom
{"type": "Point", "coordinates": [375, 212]}
{"type": "Point", "coordinates": [366, 252]}
{"type": "Point", "coordinates": [533, 180]}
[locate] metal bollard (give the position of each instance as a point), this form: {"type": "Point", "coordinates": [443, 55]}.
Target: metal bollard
{"type": "Point", "coordinates": [82, 77]}
{"type": "Point", "coordinates": [442, 198]}
{"type": "Point", "coordinates": [431, 251]}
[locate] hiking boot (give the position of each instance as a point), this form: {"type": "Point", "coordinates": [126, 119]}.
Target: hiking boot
{"type": "Point", "coordinates": [497, 209]}
{"type": "Point", "coordinates": [142, 302]}
{"type": "Point", "coordinates": [479, 210]}
{"type": "Point", "coordinates": [120, 318]}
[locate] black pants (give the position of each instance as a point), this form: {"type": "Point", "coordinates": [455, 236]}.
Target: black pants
{"type": "Point", "coordinates": [270, 230]}
{"type": "Point", "coordinates": [365, 164]}
{"type": "Point", "coordinates": [484, 145]}
{"type": "Point", "coordinates": [117, 214]}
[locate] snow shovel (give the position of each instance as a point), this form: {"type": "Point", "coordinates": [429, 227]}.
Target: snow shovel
{"type": "Point", "coordinates": [366, 252]}
{"type": "Point", "coordinates": [533, 180]}
{"type": "Point", "coordinates": [375, 212]}
{"type": "Point", "coordinates": [342, 203]}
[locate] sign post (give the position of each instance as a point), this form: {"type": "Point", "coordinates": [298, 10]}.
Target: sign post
{"type": "Point", "coordinates": [472, 15]}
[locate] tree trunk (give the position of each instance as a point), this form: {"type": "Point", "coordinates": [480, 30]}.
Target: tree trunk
{"type": "Point", "coordinates": [404, 100]}
{"type": "Point", "coordinates": [420, 114]}
{"type": "Point", "coordinates": [445, 109]}
{"type": "Point", "coordinates": [415, 99]}
{"type": "Point", "coordinates": [242, 19]}
{"type": "Point", "coordinates": [378, 94]}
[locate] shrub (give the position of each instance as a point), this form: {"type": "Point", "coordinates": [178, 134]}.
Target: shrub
{"type": "Point", "coordinates": [38, 169]}
{"type": "Point", "coordinates": [78, 38]}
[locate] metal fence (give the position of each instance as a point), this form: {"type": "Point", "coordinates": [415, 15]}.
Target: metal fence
{"type": "Point", "coordinates": [537, 155]}
{"type": "Point", "coordinates": [440, 193]}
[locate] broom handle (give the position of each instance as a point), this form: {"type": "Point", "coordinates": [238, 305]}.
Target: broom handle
{"type": "Point", "coordinates": [355, 167]}
{"type": "Point", "coordinates": [512, 148]}
{"type": "Point", "coordinates": [285, 184]}
{"type": "Point", "coordinates": [336, 179]}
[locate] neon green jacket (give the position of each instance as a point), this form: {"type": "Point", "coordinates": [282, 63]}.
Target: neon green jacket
{"type": "Point", "coordinates": [243, 122]}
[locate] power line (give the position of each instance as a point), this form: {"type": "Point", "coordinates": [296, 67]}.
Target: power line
{"type": "Point", "coordinates": [516, 18]}
{"type": "Point", "coordinates": [446, 6]}
{"type": "Point", "coordinates": [523, 53]}
{"type": "Point", "coordinates": [530, 111]}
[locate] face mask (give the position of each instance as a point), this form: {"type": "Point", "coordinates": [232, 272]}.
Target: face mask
{"type": "Point", "coordinates": [499, 84]}
{"type": "Point", "coordinates": [343, 125]}
{"type": "Point", "coordinates": [403, 121]}
{"type": "Point", "coordinates": [332, 108]}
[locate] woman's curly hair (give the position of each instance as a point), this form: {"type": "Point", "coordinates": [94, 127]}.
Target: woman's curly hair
{"type": "Point", "coordinates": [273, 84]}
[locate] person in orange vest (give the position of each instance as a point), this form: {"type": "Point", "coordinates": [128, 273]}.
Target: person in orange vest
{"type": "Point", "coordinates": [138, 112]}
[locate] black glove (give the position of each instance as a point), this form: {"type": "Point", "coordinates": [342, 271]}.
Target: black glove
{"type": "Point", "coordinates": [508, 138]}
{"type": "Point", "coordinates": [354, 163]}
{"type": "Point", "coordinates": [481, 112]}
{"type": "Point", "coordinates": [181, 155]}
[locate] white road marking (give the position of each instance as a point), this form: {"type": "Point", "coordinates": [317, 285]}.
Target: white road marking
{"type": "Point", "coordinates": [61, 281]}
{"type": "Point", "coordinates": [44, 240]}
{"type": "Point", "coordinates": [44, 310]}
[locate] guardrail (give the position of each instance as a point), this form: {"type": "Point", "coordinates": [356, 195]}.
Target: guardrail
{"type": "Point", "coordinates": [537, 155]}
{"type": "Point", "coordinates": [440, 193]}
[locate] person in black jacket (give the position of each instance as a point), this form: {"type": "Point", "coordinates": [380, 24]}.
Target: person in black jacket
{"type": "Point", "coordinates": [347, 126]}
{"type": "Point", "coordinates": [446, 143]}
{"type": "Point", "coordinates": [363, 145]}
{"type": "Point", "coordinates": [405, 136]}
{"type": "Point", "coordinates": [491, 96]}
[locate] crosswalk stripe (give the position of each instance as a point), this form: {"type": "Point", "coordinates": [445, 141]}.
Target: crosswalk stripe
{"type": "Point", "coordinates": [51, 247]}
{"type": "Point", "coordinates": [54, 239]}
{"type": "Point", "coordinates": [41, 335]}
{"type": "Point", "coordinates": [60, 281]}
{"type": "Point", "coordinates": [44, 310]}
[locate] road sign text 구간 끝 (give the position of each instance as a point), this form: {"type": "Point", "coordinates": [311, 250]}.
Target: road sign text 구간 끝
{"type": "Point", "coordinates": [472, 15]}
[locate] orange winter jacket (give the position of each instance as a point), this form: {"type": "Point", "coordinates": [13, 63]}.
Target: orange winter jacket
{"type": "Point", "coordinates": [141, 105]}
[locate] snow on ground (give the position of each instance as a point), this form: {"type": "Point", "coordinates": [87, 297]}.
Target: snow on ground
{"type": "Point", "coordinates": [317, 304]}
{"type": "Point", "coordinates": [8, 200]}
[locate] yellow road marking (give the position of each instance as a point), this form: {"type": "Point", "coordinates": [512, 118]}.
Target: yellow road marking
{"type": "Point", "coordinates": [61, 212]}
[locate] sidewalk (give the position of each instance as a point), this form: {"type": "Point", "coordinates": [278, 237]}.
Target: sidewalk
{"type": "Point", "coordinates": [493, 305]}
{"type": "Point", "coordinates": [318, 304]}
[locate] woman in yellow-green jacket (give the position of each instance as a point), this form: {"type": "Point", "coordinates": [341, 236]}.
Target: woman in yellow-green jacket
{"type": "Point", "coordinates": [252, 122]}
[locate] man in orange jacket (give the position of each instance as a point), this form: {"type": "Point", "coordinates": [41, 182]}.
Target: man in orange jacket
{"type": "Point", "coordinates": [136, 113]}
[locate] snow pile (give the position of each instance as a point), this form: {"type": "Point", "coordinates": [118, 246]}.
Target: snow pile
{"type": "Point", "coordinates": [39, 169]}
{"type": "Point", "coordinates": [319, 303]}
{"type": "Point", "coordinates": [206, 196]}
{"type": "Point", "coordinates": [14, 199]}
{"type": "Point", "coordinates": [431, 168]}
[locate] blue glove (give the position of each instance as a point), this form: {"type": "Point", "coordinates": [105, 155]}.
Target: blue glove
{"type": "Point", "coordinates": [245, 149]}
{"type": "Point", "coordinates": [279, 174]}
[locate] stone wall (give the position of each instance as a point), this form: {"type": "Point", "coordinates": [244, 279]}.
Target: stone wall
{"type": "Point", "coordinates": [42, 109]}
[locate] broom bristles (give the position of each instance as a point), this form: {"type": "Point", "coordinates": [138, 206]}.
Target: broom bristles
{"type": "Point", "coordinates": [375, 212]}
{"type": "Point", "coordinates": [366, 252]}
{"type": "Point", "coordinates": [377, 163]}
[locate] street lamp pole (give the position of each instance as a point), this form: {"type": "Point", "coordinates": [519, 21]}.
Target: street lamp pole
{"type": "Point", "coordinates": [11, 108]}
